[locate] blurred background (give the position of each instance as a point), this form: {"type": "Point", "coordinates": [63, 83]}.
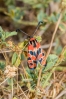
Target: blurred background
{"type": "Point", "coordinates": [25, 14]}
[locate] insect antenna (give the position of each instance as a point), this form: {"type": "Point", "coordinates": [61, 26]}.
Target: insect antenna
{"type": "Point", "coordinates": [39, 23]}
{"type": "Point", "coordinates": [19, 30]}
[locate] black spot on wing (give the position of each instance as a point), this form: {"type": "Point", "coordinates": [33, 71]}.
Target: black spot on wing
{"type": "Point", "coordinates": [34, 53]}
{"type": "Point", "coordinates": [39, 51]}
{"type": "Point", "coordinates": [43, 54]}
{"type": "Point", "coordinates": [40, 60]}
{"type": "Point", "coordinates": [35, 62]}
{"type": "Point", "coordinates": [31, 42]}
{"type": "Point", "coordinates": [36, 40]}
{"type": "Point", "coordinates": [45, 64]}
{"type": "Point", "coordinates": [29, 58]}
{"type": "Point", "coordinates": [34, 43]}
{"type": "Point", "coordinates": [31, 63]}
{"type": "Point", "coordinates": [30, 66]}
{"type": "Point", "coordinates": [31, 52]}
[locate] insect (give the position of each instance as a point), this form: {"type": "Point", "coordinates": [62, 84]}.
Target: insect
{"type": "Point", "coordinates": [35, 52]}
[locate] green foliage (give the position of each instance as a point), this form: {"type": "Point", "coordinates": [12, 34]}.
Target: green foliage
{"type": "Point", "coordinates": [8, 34]}
{"type": "Point", "coordinates": [14, 58]}
{"type": "Point", "coordinates": [22, 56]}
{"type": "Point", "coordinates": [58, 47]}
{"type": "Point", "coordinates": [63, 53]}
{"type": "Point", "coordinates": [41, 15]}
{"type": "Point", "coordinates": [53, 18]}
{"type": "Point", "coordinates": [18, 61]}
{"type": "Point", "coordinates": [57, 0]}
{"type": "Point", "coordinates": [64, 16]}
{"type": "Point", "coordinates": [15, 13]}
{"type": "Point", "coordinates": [9, 81]}
{"type": "Point", "coordinates": [38, 38]}
{"type": "Point", "coordinates": [14, 98]}
{"type": "Point", "coordinates": [9, 2]}
{"type": "Point", "coordinates": [62, 27]}
{"type": "Point", "coordinates": [4, 35]}
{"type": "Point", "coordinates": [37, 4]}
{"type": "Point", "coordinates": [51, 61]}
{"type": "Point", "coordinates": [63, 4]}
{"type": "Point", "coordinates": [2, 65]}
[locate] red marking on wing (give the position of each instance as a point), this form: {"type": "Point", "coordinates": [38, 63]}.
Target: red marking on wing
{"type": "Point", "coordinates": [33, 57]}
{"type": "Point", "coordinates": [32, 66]}
{"type": "Point", "coordinates": [43, 61]}
{"type": "Point", "coordinates": [29, 55]}
{"type": "Point", "coordinates": [40, 56]}
{"type": "Point", "coordinates": [32, 39]}
{"type": "Point", "coordinates": [30, 47]}
{"type": "Point", "coordinates": [29, 61]}
{"type": "Point", "coordinates": [38, 45]}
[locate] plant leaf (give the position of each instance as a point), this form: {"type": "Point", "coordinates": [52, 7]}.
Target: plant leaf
{"type": "Point", "coordinates": [14, 98]}
{"type": "Point", "coordinates": [9, 81]}
{"type": "Point", "coordinates": [14, 58]}
{"type": "Point", "coordinates": [52, 59]}
{"type": "Point", "coordinates": [17, 63]}
{"type": "Point", "coordinates": [2, 65]}
{"type": "Point", "coordinates": [8, 34]}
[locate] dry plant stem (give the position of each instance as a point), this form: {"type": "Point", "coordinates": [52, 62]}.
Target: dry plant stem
{"type": "Point", "coordinates": [54, 92]}
{"type": "Point", "coordinates": [61, 68]}
{"type": "Point", "coordinates": [4, 81]}
{"type": "Point", "coordinates": [5, 51]}
{"type": "Point", "coordinates": [23, 92]}
{"type": "Point", "coordinates": [25, 73]}
{"type": "Point", "coordinates": [43, 46]}
{"type": "Point", "coordinates": [17, 81]}
{"type": "Point", "coordinates": [61, 94]}
{"type": "Point", "coordinates": [6, 58]}
{"type": "Point", "coordinates": [47, 45]}
{"type": "Point", "coordinates": [38, 82]}
{"type": "Point", "coordinates": [12, 86]}
{"type": "Point", "coordinates": [26, 90]}
{"type": "Point", "coordinates": [1, 97]}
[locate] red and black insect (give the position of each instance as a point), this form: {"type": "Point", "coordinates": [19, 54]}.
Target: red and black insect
{"type": "Point", "coordinates": [35, 53]}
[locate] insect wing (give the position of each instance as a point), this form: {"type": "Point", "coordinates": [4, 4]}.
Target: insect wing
{"type": "Point", "coordinates": [41, 56]}
{"type": "Point", "coordinates": [32, 55]}
{"type": "Point", "coordinates": [35, 54]}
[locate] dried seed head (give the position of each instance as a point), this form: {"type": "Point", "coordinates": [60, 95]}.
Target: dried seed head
{"type": "Point", "coordinates": [10, 71]}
